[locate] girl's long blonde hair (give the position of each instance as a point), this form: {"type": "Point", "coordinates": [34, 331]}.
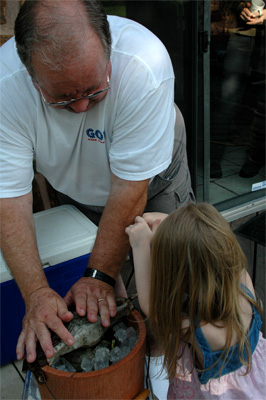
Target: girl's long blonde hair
{"type": "Point", "coordinates": [196, 257]}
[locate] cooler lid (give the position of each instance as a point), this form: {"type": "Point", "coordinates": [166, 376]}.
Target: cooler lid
{"type": "Point", "coordinates": [63, 233]}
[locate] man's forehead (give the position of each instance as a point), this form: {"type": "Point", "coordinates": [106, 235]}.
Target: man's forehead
{"type": "Point", "coordinates": [78, 66]}
{"type": "Point", "coordinates": [71, 82]}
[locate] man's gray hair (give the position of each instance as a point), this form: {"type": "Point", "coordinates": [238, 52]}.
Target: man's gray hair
{"type": "Point", "coordinates": [42, 32]}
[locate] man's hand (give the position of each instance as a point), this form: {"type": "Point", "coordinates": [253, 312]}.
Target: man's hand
{"type": "Point", "coordinates": [45, 310]}
{"type": "Point", "coordinates": [92, 296]}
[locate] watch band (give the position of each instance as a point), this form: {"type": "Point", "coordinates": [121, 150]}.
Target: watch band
{"type": "Point", "coordinates": [101, 276]}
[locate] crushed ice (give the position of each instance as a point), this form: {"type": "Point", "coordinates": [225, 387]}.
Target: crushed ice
{"type": "Point", "coordinates": [116, 345]}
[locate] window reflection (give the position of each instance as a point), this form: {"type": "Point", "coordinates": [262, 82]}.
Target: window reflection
{"type": "Point", "coordinates": [237, 57]}
{"type": "Point", "coordinates": [237, 88]}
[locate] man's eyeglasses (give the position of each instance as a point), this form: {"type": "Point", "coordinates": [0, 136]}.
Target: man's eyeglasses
{"type": "Point", "coordinates": [65, 103]}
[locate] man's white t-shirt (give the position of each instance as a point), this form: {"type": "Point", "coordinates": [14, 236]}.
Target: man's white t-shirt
{"type": "Point", "coordinates": [130, 132]}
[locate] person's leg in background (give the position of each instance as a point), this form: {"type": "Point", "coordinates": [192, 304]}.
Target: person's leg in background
{"type": "Point", "coordinates": [256, 149]}
{"type": "Point", "coordinates": [236, 71]}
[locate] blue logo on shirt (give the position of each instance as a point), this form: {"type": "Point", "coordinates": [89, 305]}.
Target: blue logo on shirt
{"type": "Point", "coordinates": [95, 136]}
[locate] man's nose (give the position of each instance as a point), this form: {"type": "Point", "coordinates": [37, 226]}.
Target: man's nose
{"type": "Point", "coordinates": [80, 105]}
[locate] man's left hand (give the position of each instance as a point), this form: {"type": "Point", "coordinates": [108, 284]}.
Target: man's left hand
{"type": "Point", "coordinates": [92, 297]}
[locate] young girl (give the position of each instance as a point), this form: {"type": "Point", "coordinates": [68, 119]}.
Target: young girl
{"type": "Point", "coordinates": [193, 285]}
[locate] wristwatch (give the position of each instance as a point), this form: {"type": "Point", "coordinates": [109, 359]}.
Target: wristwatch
{"type": "Point", "coordinates": [101, 276]}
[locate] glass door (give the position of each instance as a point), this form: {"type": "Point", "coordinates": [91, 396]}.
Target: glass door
{"type": "Point", "coordinates": [219, 66]}
{"type": "Point", "coordinates": [237, 105]}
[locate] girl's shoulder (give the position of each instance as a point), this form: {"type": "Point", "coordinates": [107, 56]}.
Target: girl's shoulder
{"type": "Point", "coordinates": [216, 335]}
{"type": "Point", "coordinates": [246, 281]}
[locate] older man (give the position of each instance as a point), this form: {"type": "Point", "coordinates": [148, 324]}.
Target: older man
{"type": "Point", "coordinates": [91, 99]}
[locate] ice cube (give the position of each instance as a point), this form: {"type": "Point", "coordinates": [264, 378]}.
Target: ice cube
{"type": "Point", "coordinates": [101, 363]}
{"type": "Point", "coordinates": [63, 365]}
{"type": "Point", "coordinates": [57, 363]}
{"type": "Point", "coordinates": [87, 364]}
{"type": "Point", "coordinates": [69, 367]}
{"type": "Point", "coordinates": [131, 332]}
{"type": "Point", "coordinates": [120, 325]}
{"type": "Point", "coordinates": [121, 335]}
{"type": "Point", "coordinates": [132, 341]}
{"type": "Point", "coordinates": [115, 355]}
{"type": "Point", "coordinates": [62, 368]}
{"type": "Point", "coordinates": [125, 350]}
{"type": "Point", "coordinates": [102, 352]}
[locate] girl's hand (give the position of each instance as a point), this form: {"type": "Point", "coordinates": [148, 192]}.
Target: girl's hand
{"type": "Point", "coordinates": [139, 233]}
{"type": "Point", "coordinates": [154, 217]}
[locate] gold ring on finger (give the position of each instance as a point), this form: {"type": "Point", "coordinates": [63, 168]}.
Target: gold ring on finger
{"type": "Point", "coordinates": [99, 300]}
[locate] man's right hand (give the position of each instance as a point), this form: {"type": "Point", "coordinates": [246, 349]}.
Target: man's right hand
{"type": "Point", "coordinates": [45, 310]}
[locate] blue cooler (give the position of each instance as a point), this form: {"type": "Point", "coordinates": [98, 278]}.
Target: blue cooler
{"type": "Point", "coordinates": [65, 239]}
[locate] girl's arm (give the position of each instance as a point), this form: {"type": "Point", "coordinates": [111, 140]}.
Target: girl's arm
{"type": "Point", "coordinates": [140, 236]}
